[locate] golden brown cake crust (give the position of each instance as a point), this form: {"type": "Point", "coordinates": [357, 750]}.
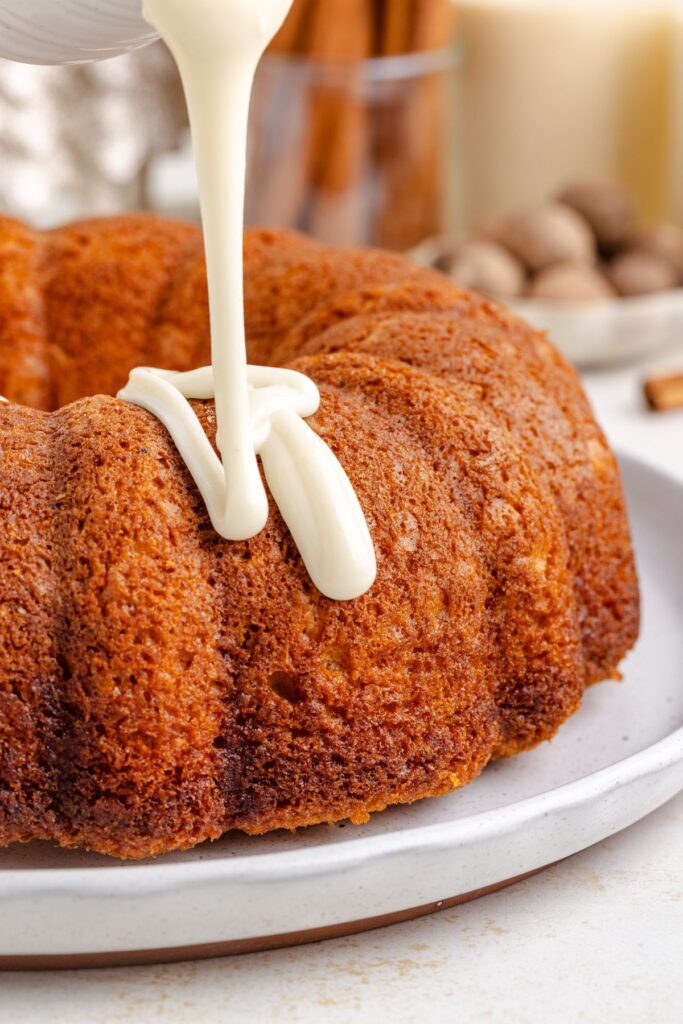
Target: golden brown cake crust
{"type": "Point", "coordinates": [159, 685]}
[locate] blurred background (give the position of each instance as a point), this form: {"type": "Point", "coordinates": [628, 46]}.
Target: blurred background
{"type": "Point", "coordinates": [470, 108]}
{"type": "Point", "coordinates": [446, 128]}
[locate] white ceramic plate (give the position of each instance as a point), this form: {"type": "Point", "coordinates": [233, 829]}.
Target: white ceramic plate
{"type": "Point", "coordinates": [618, 759]}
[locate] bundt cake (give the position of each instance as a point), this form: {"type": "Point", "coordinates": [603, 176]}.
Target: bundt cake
{"type": "Point", "coordinates": [160, 685]}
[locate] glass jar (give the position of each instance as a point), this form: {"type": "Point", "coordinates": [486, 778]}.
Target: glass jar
{"type": "Point", "coordinates": [354, 153]}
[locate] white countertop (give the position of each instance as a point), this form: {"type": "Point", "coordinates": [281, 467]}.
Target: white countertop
{"type": "Point", "coordinates": [597, 938]}
{"type": "Point", "coordinates": [618, 400]}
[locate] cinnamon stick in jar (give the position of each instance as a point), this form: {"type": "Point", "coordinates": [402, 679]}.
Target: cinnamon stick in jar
{"type": "Point", "coordinates": [292, 36]}
{"type": "Point", "coordinates": [371, 156]}
{"type": "Point", "coordinates": [411, 138]}
{"type": "Point", "coordinates": [339, 41]}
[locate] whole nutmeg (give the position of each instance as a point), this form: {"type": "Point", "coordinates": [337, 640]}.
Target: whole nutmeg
{"type": "Point", "coordinates": [665, 241]}
{"type": "Point", "coordinates": [571, 282]}
{"type": "Point", "coordinates": [486, 267]}
{"type": "Point", "coordinates": [549, 234]}
{"type": "Point", "coordinates": [608, 210]}
{"type": "Point", "coordinates": [490, 230]}
{"type": "Point", "coordinates": [641, 273]}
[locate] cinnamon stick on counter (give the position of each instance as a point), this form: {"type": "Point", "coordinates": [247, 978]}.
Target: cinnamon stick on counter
{"type": "Point", "coordinates": [664, 393]}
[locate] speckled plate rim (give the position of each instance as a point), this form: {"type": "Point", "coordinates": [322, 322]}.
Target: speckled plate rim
{"type": "Point", "coordinates": [651, 760]}
{"type": "Point", "coordinates": [336, 887]}
{"type": "Point", "coordinates": [155, 875]}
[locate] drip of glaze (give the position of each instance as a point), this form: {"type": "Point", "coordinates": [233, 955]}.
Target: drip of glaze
{"type": "Point", "coordinates": [217, 45]}
{"type": "Point", "coordinates": [307, 483]}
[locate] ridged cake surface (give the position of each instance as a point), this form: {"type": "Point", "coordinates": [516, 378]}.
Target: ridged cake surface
{"type": "Point", "coordinates": [159, 685]}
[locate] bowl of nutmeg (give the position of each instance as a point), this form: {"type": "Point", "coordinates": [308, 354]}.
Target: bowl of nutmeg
{"type": "Point", "coordinates": [580, 267]}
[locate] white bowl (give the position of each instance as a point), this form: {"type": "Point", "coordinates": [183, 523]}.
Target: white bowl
{"type": "Point", "coordinates": [608, 331]}
{"type": "Point", "coordinates": [597, 333]}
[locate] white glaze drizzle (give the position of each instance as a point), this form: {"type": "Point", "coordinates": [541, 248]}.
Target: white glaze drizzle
{"type": "Point", "coordinates": [307, 483]}
{"type": "Point", "coordinates": [259, 411]}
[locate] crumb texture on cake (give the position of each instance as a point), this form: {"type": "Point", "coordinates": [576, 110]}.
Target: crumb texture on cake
{"type": "Point", "coordinates": [159, 685]}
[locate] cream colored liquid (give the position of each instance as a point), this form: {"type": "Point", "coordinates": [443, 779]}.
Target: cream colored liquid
{"type": "Point", "coordinates": [676, 112]}
{"type": "Point", "coordinates": [555, 91]}
{"type": "Point", "coordinates": [217, 45]}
